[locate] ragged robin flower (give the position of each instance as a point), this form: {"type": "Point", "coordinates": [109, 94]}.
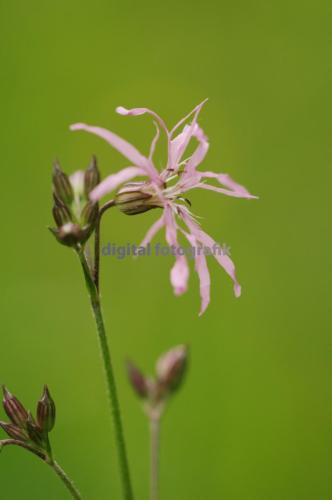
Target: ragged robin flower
{"type": "Point", "coordinates": [168, 190]}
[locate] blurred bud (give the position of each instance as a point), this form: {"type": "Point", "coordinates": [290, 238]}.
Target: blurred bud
{"type": "Point", "coordinates": [155, 392]}
{"type": "Point", "coordinates": [171, 367]}
{"type": "Point", "coordinates": [14, 432]}
{"type": "Point", "coordinates": [91, 177]}
{"type": "Point", "coordinates": [14, 408]}
{"type": "Point", "coordinates": [61, 185]}
{"type": "Point", "coordinates": [136, 198]}
{"type": "Point", "coordinates": [137, 380]}
{"type": "Point", "coordinates": [74, 214]}
{"type": "Point", "coordinates": [46, 411]}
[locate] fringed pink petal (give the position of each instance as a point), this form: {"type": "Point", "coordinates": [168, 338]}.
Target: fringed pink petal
{"type": "Point", "coordinates": [141, 111]}
{"type": "Point", "coordinates": [196, 110]}
{"type": "Point", "coordinates": [190, 175]}
{"type": "Point", "coordinates": [233, 188]}
{"type": "Point", "coordinates": [224, 260]}
{"type": "Point", "coordinates": [227, 192]}
{"type": "Point", "coordinates": [154, 142]}
{"type": "Point", "coordinates": [113, 181]}
{"type": "Point", "coordinates": [121, 145]}
{"type": "Point", "coordinates": [204, 281]}
{"type": "Point", "coordinates": [200, 151]}
{"type": "Point", "coordinates": [203, 273]}
{"type": "Point", "coordinates": [180, 270]}
{"type": "Point", "coordinates": [175, 151]}
{"type": "Point", "coordinates": [153, 231]}
{"type": "Point", "coordinates": [180, 275]}
{"type": "Point", "coordinates": [180, 143]}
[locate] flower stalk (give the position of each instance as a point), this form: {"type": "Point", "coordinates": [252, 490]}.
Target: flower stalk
{"type": "Point", "coordinates": [66, 480]}
{"type": "Point", "coordinates": [102, 210]}
{"type": "Point", "coordinates": [109, 373]}
{"type": "Point", "coordinates": [154, 456]}
{"type": "Point", "coordinates": [77, 218]}
{"type": "Point", "coordinates": [155, 393]}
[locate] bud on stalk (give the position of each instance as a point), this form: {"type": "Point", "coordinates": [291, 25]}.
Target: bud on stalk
{"type": "Point", "coordinates": [14, 408]}
{"type": "Point", "coordinates": [60, 212]}
{"type": "Point", "coordinates": [136, 198]}
{"type": "Point", "coordinates": [46, 411]}
{"type": "Point", "coordinates": [14, 432]}
{"type": "Point", "coordinates": [170, 371]}
{"type": "Point", "coordinates": [91, 177]}
{"type": "Point", "coordinates": [61, 185]}
{"type": "Point", "coordinates": [24, 428]}
{"type": "Point", "coordinates": [74, 214]}
{"type": "Point", "coordinates": [34, 432]}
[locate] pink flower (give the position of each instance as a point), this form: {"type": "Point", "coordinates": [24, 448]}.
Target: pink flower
{"type": "Point", "coordinates": [166, 189]}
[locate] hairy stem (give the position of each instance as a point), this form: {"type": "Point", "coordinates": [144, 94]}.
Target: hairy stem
{"type": "Point", "coordinates": [110, 379]}
{"type": "Point", "coordinates": [154, 456]}
{"type": "Point", "coordinates": [66, 480]}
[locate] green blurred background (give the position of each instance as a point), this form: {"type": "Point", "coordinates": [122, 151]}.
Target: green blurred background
{"type": "Point", "coordinates": [253, 419]}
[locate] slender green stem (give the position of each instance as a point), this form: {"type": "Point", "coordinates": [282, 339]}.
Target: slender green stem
{"type": "Point", "coordinates": [103, 209]}
{"type": "Point", "coordinates": [110, 379]}
{"type": "Point", "coordinates": [154, 456]}
{"type": "Point", "coordinates": [66, 480]}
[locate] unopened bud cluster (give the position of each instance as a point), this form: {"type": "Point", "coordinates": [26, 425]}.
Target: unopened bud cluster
{"type": "Point", "coordinates": [74, 213]}
{"type": "Point", "coordinates": [169, 375]}
{"type": "Point", "coordinates": [26, 429]}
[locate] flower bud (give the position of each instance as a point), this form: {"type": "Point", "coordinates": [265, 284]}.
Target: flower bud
{"type": "Point", "coordinates": [171, 368]}
{"type": "Point", "coordinates": [34, 431]}
{"type": "Point", "coordinates": [136, 198]}
{"type": "Point", "coordinates": [14, 432]}
{"type": "Point", "coordinates": [61, 213]}
{"type": "Point", "coordinates": [46, 411]}
{"type": "Point", "coordinates": [61, 185]}
{"type": "Point", "coordinates": [14, 408]}
{"type": "Point", "coordinates": [91, 177]}
{"type": "Point", "coordinates": [74, 214]}
{"type": "Point", "coordinates": [137, 380]}
{"type": "Point", "coordinates": [70, 234]}
{"type": "Point", "coordinates": [90, 213]}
